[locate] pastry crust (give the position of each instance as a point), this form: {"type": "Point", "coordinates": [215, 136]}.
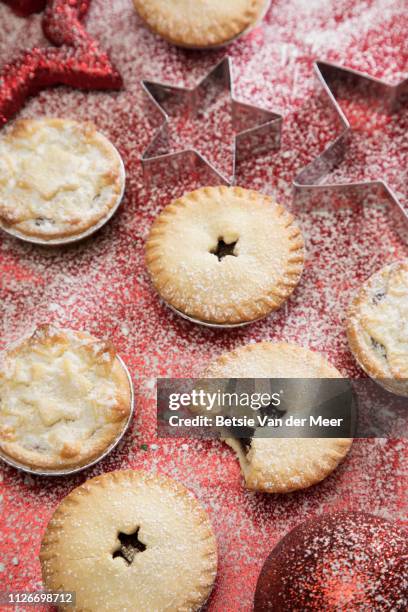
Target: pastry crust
{"type": "Point", "coordinates": [265, 269]}
{"type": "Point", "coordinates": [64, 399]}
{"type": "Point", "coordinates": [175, 572]}
{"type": "Point", "coordinates": [281, 465]}
{"type": "Point", "coordinates": [202, 23]}
{"type": "Point", "coordinates": [377, 327]}
{"type": "Point", "coordinates": [58, 178]}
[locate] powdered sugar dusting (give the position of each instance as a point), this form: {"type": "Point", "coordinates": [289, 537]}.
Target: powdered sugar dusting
{"type": "Point", "coordinates": [341, 561]}
{"type": "Point", "coordinates": [102, 284]}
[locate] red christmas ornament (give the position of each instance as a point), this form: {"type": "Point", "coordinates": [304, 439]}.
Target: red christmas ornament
{"type": "Point", "coordinates": [77, 62]}
{"type": "Point", "coordinates": [338, 562]}
{"type": "Point", "coordinates": [26, 7]}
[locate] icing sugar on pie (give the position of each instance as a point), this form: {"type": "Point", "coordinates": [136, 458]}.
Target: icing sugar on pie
{"type": "Point", "coordinates": [58, 178]}
{"type": "Point", "coordinates": [202, 23]}
{"type": "Point", "coordinates": [130, 540]}
{"type": "Point", "coordinates": [281, 465]}
{"type": "Point", "coordinates": [64, 399]}
{"type": "Point", "coordinates": [225, 255]}
{"type": "Point", "coordinates": [377, 327]}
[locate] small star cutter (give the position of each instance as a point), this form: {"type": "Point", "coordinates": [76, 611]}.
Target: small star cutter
{"type": "Point", "coordinates": [309, 181]}
{"type": "Point", "coordinates": [257, 130]}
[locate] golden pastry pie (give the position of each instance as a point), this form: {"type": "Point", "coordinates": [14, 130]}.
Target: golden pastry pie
{"type": "Point", "coordinates": [202, 23]}
{"type": "Point", "coordinates": [65, 398]}
{"type": "Point", "coordinates": [130, 540]}
{"type": "Point", "coordinates": [377, 327]}
{"type": "Point", "coordinates": [58, 178]}
{"type": "Point", "coordinates": [225, 255]}
{"type": "Point", "coordinates": [281, 465]}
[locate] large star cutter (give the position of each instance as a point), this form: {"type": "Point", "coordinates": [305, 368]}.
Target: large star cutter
{"type": "Point", "coordinates": [309, 181]}
{"type": "Point", "coordinates": [257, 130]}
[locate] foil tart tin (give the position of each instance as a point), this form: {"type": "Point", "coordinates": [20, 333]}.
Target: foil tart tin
{"type": "Point", "coordinates": [77, 237]}
{"type": "Point", "coordinates": [213, 325]}
{"type": "Point", "coordinates": [75, 470]}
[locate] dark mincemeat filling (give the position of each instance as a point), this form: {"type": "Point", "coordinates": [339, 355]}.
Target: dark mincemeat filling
{"type": "Point", "coordinates": [130, 546]}
{"type": "Point", "coordinates": [223, 249]}
{"type": "Point", "coordinates": [379, 347]}
{"type": "Point", "coordinates": [41, 220]}
{"type": "Point", "coordinates": [376, 299]}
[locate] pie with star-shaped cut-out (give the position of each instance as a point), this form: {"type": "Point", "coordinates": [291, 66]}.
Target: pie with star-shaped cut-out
{"type": "Point", "coordinates": [225, 255]}
{"type": "Point", "coordinates": [130, 540]}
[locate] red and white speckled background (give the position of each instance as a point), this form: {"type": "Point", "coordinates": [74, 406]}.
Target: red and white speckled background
{"type": "Point", "coordinates": [102, 284]}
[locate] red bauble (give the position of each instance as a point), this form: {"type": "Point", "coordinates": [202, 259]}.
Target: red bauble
{"type": "Point", "coordinates": [26, 7]}
{"type": "Point", "coordinates": [338, 562]}
{"type": "Point", "coordinates": [77, 61]}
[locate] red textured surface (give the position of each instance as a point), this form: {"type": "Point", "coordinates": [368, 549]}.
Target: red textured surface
{"type": "Point", "coordinates": [78, 62]}
{"type": "Point", "coordinates": [302, 572]}
{"type": "Point", "coordinates": [102, 284]}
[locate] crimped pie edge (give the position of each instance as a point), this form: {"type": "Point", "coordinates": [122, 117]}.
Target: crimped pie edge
{"type": "Point", "coordinates": [366, 358]}
{"type": "Point", "coordinates": [117, 182]}
{"type": "Point", "coordinates": [37, 461]}
{"type": "Point", "coordinates": [210, 37]}
{"type": "Point", "coordinates": [49, 550]}
{"type": "Point", "coordinates": [257, 480]}
{"type": "Point", "coordinates": [320, 362]}
{"type": "Point", "coordinates": [248, 311]}
{"type": "Point", "coordinates": [254, 475]}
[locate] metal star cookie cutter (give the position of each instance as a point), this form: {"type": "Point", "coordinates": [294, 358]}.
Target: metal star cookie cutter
{"type": "Point", "coordinates": [257, 130]}
{"type": "Point", "coordinates": [391, 97]}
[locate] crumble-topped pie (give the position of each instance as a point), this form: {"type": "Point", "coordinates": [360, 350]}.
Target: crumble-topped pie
{"type": "Point", "coordinates": [280, 465]}
{"type": "Point", "coordinates": [377, 327]}
{"type": "Point", "coordinates": [58, 178]}
{"type": "Point", "coordinates": [64, 399]}
{"type": "Point", "coordinates": [203, 23]}
{"type": "Point", "coordinates": [225, 255]}
{"type": "Point", "coordinates": [130, 540]}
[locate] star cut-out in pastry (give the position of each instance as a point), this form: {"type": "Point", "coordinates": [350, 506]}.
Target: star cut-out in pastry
{"type": "Point", "coordinates": [252, 130]}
